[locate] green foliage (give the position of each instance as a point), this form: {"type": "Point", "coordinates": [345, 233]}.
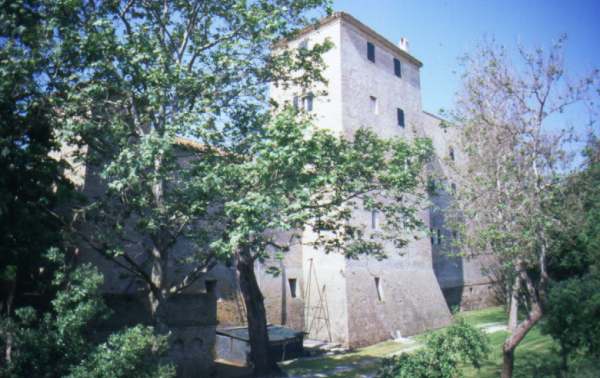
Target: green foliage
{"type": "Point", "coordinates": [573, 315]}
{"type": "Point", "coordinates": [55, 343]}
{"type": "Point", "coordinates": [303, 177]}
{"type": "Point", "coordinates": [31, 185]}
{"type": "Point", "coordinates": [130, 353]}
{"type": "Point", "coordinates": [576, 244]}
{"type": "Point", "coordinates": [441, 355]}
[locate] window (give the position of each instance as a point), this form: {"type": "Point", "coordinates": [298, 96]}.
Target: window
{"type": "Point", "coordinates": [296, 103]}
{"type": "Point", "coordinates": [374, 219]}
{"type": "Point", "coordinates": [439, 236]}
{"type": "Point", "coordinates": [308, 102]}
{"type": "Point", "coordinates": [400, 116]}
{"type": "Point", "coordinates": [211, 287]}
{"type": "Point", "coordinates": [431, 235]}
{"type": "Point", "coordinates": [379, 289]}
{"type": "Point", "coordinates": [451, 153]}
{"type": "Point", "coordinates": [292, 283]}
{"type": "Point", "coordinates": [453, 188]}
{"type": "Point", "coordinates": [371, 52]}
{"type": "Point", "coordinates": [397, 68]}
{"type": "Point", "coordinates": [373, 104]}
{"type": "Point", "coordinates": [303, 44]}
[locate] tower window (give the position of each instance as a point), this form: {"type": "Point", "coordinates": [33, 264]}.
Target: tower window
{"type": "Point", "coordinates": [292, 283]}
{"type": "Point", "coordinates": [439, 236]}
{"type": "Point", "coordinates": [371, 52]}
{"type": "Point", "coordinates": [379, 289]}
{"type": "Point", "coordinates": [431, 236]}
{"type": "Point", "coordinates": [374, 219]}
{"type": "Point", "coordinates": [400, 116]}
{"type": "Point", "coordinates": [451, 153]}
{"type": "Point", "coordinates": [308, 102]}
{"type": "Point", "coordinates": [397, 68]}
{"type": "Point", "coordinates": [373, 104]}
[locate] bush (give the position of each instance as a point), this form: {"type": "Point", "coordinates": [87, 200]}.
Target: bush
{"type": "Point", "coordinates": [573, 316]}
{"type": "Point", "coordinates": [58, 343]}
{"type": "Point", "coordinates": [441, 355]}
{"type": "Point", "coordinates": [126, 354]}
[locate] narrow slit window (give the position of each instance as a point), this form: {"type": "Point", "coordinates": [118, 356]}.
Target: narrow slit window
{"type": "Point", "coordinates": [293, 287]}
{"type": "Point", "coordinates": [379, 289]}
{"type": "Point", "coordinates": [374, 219]}
{"type": "Point", "coordinates": [453, 188]}
{"type": "Point", "coordinates": [371, 52]}
{"type": "Point", "coordinates": [439, 236]}
{"type": "Point", "coordinates": [431, 236]}
{"type": "Point", "coordinates": [451, 153]}
{"type": "Point", "coordinates": [400, 116]}
{"type": "Point", "coordinates": [373, 104]}
{"type": "Point", "coordinates": [397, 68]}
{"type": "Point", "coordinates": [308, 102]}
{"type": "Point", "coordinates": [211, 287]}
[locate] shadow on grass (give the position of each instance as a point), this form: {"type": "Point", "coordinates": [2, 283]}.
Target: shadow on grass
{"type": "Point", "coordinates": [362, 361]}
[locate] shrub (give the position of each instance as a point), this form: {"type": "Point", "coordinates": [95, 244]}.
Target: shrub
{"type": "Point", "coordinates": [573, 315]}
{"type": "Point", "coordinates": [441, 355]}
{"type": "Point", "coordinates": [58, 343]}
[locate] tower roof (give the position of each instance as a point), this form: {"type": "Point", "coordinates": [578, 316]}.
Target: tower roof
{"type": "Point", "coordinates": [346, 17]}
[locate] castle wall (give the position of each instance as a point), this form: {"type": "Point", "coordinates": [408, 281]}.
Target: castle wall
{"type": "Point", "coordinates": [362, 79]}
{"type": "Point", "coordinates": [464, 283]}
{"type": "Point", "coordinates": [191, 316]}
{"type": "Point", "coordinates": [191, 321]}
{"type": "Point", "coordinates": [282, 307]}
{"type": "Point", "coordinates": [326, 302]}
{"type": "Point", "coordinates": [327, 108]}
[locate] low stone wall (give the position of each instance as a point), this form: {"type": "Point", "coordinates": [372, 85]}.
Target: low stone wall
{"type": "Point", "coordinates": [191, 321]}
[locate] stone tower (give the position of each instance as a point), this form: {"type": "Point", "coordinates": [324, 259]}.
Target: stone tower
{"type": "Point", "coordinates": [372, 83]}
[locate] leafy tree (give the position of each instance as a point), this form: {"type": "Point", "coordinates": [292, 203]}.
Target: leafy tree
{"type": "Point", "coordinates": [134, 77]}
{"type": "Point", "coordinates": [31, 184]}
{"type": "Point", "coordinates": [131, 77]}
{"type": "Point", "coordinates": [54, 344]}
{"type": "Point", "coordinates": [572, 313]}
{"type": "Point", "coordinates": [573, 306]}
{"type": "Point", "coordinates": [300, 178]}
{"type": "Point", "coordinates": [441, 355]}
{"type": "Point", "coordinates": [514, 167]}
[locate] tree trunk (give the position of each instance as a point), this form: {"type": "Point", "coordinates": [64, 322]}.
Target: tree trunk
{"type": "Point", "coordinates": [514, 305]}
{"type": "Point", "coordinates": [564, 355]}
{"type": "Point", "coordinates": [256, 316]}
{"type": "Point", "coordinates": [8, 346]}
{"type": "Point", "coordinates": [158, 293]}
{"type": "Point", "coordinates": [511, 343]}
{"type": "Point", "coordinates": [508, 363]}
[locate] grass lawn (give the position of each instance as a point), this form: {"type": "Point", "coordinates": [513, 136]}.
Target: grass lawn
{"type": "Point", "coordinates": [536, 356]}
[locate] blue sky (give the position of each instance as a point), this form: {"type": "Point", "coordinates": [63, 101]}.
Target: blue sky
{"type": "Point", "coordinates": [441, 31]}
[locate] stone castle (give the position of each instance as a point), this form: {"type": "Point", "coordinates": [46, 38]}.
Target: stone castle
{"type": "Point", "coordinates": [371, 83]}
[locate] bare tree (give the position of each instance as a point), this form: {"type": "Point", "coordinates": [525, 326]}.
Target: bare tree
{"type": "Point", "coordinates": [508, 114]}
